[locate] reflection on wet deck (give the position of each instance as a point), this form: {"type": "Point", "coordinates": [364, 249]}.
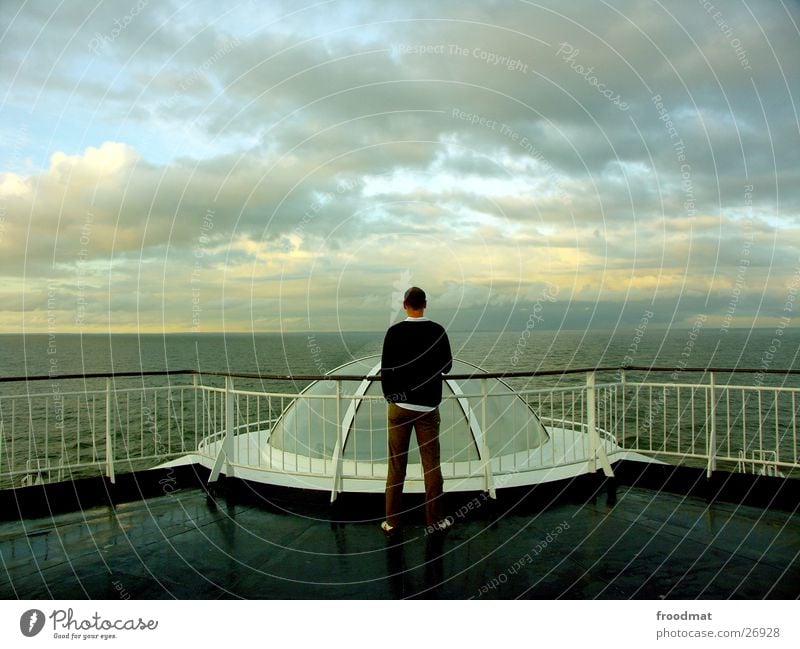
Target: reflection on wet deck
{"type": "Point", "coordinates": [629, 542]}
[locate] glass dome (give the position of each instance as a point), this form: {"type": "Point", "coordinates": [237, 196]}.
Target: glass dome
{"type": "Point", "coordinates": [308, 426]}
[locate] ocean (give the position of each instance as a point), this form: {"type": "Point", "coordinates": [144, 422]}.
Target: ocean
{"type": "Point", "coordinates": [317, 353]}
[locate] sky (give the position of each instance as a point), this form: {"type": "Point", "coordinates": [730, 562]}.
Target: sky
{"type": "Point", "coordinates": [295, 166]}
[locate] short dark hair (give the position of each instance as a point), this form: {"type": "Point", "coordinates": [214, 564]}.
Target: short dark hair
{"type": "Point", "coordinates": [415, 298]}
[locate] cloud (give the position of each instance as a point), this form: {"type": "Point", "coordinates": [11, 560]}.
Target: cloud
{"type": "Point", "coordinates": [282, 166]}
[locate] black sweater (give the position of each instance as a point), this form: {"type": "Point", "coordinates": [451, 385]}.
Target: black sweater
{"type": "Point", "coordinates": [415, 355]}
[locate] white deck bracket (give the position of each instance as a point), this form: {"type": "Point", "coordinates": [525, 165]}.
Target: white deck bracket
{"type": "Point", "coordinates": [486, 460]}
{"type": "Point", "coordinates": [225, 454]}
{"type": "Point", "coordinates": [336, 488]}
{"type": "Point", "coordinates": [712, 440]}
{"type": "Point", "coordinates": [109, 437]}
{"type": "Point", "coordinates": [597, 451]}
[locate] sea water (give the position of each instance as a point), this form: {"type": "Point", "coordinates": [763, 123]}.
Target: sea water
{"type": "Point", "coordinates": [319, 352]}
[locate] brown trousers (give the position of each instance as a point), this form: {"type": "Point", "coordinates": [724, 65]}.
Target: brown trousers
{"type": "Point", "coordinates": [426, 425]}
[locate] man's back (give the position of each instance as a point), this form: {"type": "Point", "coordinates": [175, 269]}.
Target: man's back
{"type": "Point", "coordinates": [416, 352]}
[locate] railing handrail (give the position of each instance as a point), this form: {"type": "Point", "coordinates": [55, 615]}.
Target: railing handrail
{"type": "Point", "coordinates": [96, 375]}
{"type": "Point", "coordinates": [361, 377]}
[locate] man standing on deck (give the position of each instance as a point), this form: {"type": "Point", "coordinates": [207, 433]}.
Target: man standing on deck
{"type": "Point", "coordinates": [416, 352]}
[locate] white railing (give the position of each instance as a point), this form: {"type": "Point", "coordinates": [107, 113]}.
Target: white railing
{"type": "Point", "coordinates": [110, 425]}
{"type": "Point", "coordinates": [716, 424]}
{"type": "Point", "coordinates": [125, 422]}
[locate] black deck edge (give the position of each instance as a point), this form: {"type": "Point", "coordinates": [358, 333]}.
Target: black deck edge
{"type": "Point", "coordinates": [766, 492]}
{"type": "Point", "coordinates": [64, 497]}
{"type": "Point", "coordinates": [74, 495]}
{"type": "Point", "coordinates": [362, 507]}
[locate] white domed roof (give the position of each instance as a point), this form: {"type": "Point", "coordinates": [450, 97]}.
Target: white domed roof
{"type": "Point", "coordinates": [309, 426]}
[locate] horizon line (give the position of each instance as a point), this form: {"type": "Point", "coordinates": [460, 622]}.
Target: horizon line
{"type": "Point", "coordinates": [657, 326]}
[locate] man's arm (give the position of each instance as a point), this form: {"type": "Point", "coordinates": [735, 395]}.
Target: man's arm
{"type": "Point", "coordinates": [387, 364]}
{"type": "Point", "coordinates": [447, 354]}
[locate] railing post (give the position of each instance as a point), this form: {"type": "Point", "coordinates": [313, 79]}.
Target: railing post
{"type": "Point", "coordinates": [195, 380]}
{"type": "Point", "coordinates": [225, 453]}
{"type": "Point", "coordinates": [712, 439]}
{"type": "Point", "coordinates": [488, 478]}
{"type": "Point", "coordinates": [591, 420]}
{"type": "Point", "coordinates": [109, 437]}
{"type": "Point", "coordinates": [230, 418]}
{"type": "Point", "coordinates": [623, 380]}
{"type": "Point", "coordinates": [338, 448]}
{"type": "Point", "coordinates": [596, 450]}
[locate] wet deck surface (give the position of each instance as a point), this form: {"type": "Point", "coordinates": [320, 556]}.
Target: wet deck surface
{"type": "Point", "coordinates": [633, 543]}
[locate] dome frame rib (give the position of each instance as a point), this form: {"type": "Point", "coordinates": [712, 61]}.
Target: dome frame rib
{"type": "Point", "coordinates": [344, 425]}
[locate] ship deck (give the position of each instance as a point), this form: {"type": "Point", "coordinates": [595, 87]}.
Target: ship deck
{"type": "Point", "coordinates": [601, 540]}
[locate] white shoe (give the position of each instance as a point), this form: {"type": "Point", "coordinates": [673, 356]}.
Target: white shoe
{"type": "Point", "coordinates": [444, 524]}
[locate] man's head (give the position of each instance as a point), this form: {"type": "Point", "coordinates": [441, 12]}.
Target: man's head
{"type": "Point", "coordinates": [414, 300]}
